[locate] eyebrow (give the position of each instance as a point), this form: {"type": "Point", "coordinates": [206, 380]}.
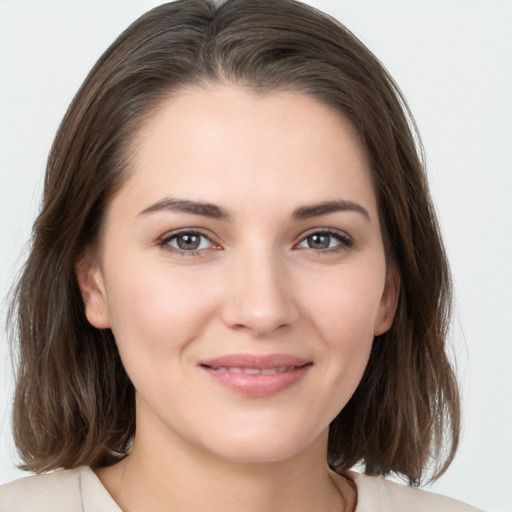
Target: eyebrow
{"type": "Point", "coordinates": [185, 206]}
{"type": "Point", "coordinates": [315, 210]}
{"type": "Point", "coordinates": [213, 211]}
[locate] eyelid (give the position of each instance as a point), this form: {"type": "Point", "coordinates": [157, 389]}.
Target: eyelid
{"type": "Point", "coordinates": [346, 241]}
{"type": "Point", "coordinates": [164, 241]}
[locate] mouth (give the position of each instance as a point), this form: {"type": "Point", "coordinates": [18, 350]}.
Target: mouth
{"type": "Point", "coordinates": [252, 371]}
{"type": "Point", "coordinates": [255, 375]}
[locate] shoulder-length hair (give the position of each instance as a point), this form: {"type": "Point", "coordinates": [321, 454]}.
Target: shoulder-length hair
{"type": "Point", "coordinates": [74, 404]}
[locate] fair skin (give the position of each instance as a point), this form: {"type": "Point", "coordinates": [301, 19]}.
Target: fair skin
{"type": "Point", "coordinates": [241, 269]}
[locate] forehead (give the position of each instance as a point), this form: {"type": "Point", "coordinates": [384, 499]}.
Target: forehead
{"type": "Point", "coordinates": [223, 143]}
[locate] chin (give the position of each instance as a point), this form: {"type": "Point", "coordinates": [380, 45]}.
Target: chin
{"type": "Point", "coordinates": [263, 447]}
{"type": "Point", "coordinates": [254, 455]}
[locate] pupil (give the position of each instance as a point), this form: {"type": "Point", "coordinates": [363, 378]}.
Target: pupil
{"type": "Point", "coordinates": [319, 241]}
{"type": "Point", "coordinates": [188, 242]}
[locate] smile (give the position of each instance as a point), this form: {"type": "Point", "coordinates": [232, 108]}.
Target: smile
{"type": "Point", "coordinates": [254, 371]}
{"type": "Point", "coordinates": [257, 376]}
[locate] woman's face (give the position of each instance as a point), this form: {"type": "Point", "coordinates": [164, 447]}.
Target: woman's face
{"type": "Point", "coordinates": [242, 271]}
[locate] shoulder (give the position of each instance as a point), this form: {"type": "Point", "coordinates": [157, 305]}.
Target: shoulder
{"type": "Point", "coordinates": [378, 494]}
{"type": "Point", "coordinates": [53, 492]}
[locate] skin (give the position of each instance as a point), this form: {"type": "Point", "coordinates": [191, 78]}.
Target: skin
{"type": "Point", "coordinates": [257, 284]}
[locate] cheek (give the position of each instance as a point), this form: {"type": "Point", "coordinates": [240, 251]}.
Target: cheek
{"type": "Point", "coordinates": [345, 307]}
{"type": "Point", "coordinates": [343, 318]}
{"type": "Point", "coordinates": [155, 313]}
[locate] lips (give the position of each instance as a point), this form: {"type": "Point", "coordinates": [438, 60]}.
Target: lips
{"type": "Point", "coordinates": [256, 375]}
{"type": "Point", "coordinates": [253, 371]}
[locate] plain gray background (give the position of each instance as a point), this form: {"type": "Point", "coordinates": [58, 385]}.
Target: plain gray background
{"type": "Point", "coordinates": [452, 59]}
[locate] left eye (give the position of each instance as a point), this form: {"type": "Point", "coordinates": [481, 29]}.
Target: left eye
{"type": "Point", "coordinates": [322, 240]}
{"type": "Point", "coordinates": [188, 241]}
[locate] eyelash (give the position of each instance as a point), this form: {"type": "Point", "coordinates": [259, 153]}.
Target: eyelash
{"type": "Point", "coordinates": [344, 241]}
{"type": "Point", "coordinates": [166, 240]}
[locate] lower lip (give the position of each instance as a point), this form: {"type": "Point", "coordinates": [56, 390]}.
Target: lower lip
{"type": "Point", "coordinates": [259, 385]}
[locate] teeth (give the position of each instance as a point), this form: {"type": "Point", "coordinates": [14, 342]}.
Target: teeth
{"type": "Point", "coordinates": [249, 371]}
{"type": "Point", "coordinates": [270, 371]}
{"type": "Point", "coordinates": [254, 371]}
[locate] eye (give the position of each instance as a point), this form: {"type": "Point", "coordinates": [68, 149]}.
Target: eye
{"type": "Point", "coordinates": [187, 242]}
{"type": "Point", "coordinates": [325, 240]}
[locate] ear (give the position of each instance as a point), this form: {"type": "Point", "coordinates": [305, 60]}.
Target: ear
{"type": "Point", "coordinates": [388, 302]}
{"type": "Point", "coordinates": [92, 286]}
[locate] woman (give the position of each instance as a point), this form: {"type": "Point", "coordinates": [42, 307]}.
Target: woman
{"type": "Point", "coordinates": [236, 278]}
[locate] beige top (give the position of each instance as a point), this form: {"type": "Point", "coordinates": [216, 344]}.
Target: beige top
{"type": "Point", "coordinates": [80, 490]}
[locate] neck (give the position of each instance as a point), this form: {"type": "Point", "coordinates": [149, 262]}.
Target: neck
{"type": "Point", "coordinates": [160, 475]}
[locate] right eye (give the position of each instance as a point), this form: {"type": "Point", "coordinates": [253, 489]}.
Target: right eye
{"type": "Point", "coordinates": [187, 243]}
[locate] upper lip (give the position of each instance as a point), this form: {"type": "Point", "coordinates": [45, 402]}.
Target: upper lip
{"type": "Point", "coordinates": [255, 361]}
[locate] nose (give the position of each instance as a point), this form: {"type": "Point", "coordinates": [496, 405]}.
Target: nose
{"type": "Point", "coordinates": [259, 295]}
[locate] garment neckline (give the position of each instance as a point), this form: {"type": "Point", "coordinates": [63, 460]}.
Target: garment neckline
{"type": "Point", "coordinates": [96, 498]}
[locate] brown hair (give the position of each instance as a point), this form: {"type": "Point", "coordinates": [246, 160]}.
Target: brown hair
{"type": "Point", "coordinates": [74, 403]}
